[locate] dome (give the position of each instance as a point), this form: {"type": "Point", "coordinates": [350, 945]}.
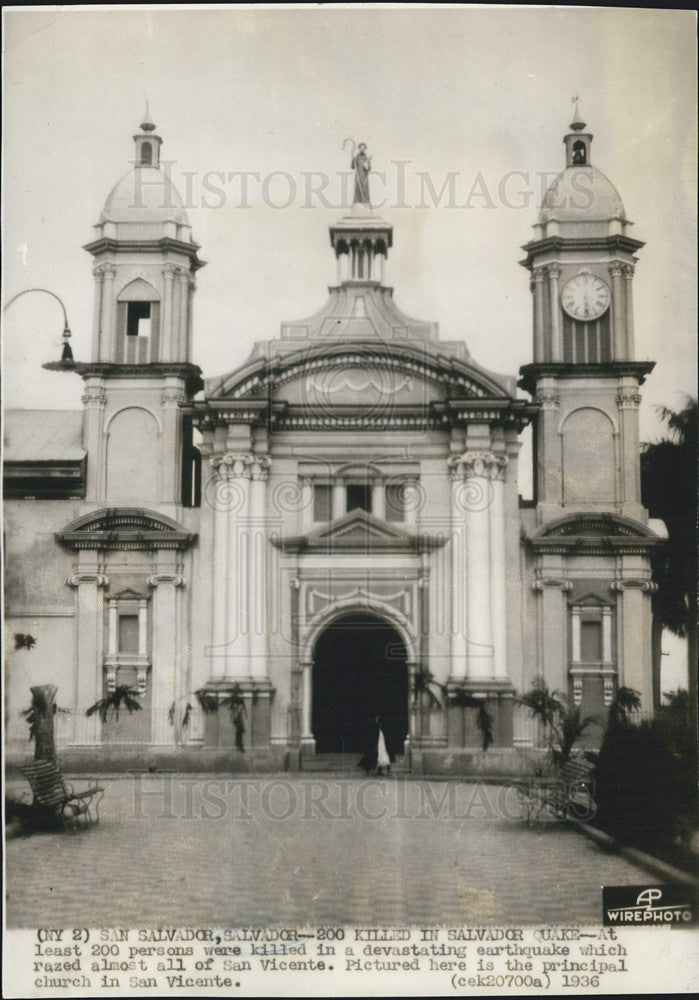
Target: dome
{"type": "Point", "coordinates": [144, 194]}
{"type": "Point", "coordinates": [582, 194]}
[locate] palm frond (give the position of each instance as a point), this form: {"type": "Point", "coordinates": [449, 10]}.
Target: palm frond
{"type": "Point", "coordinates": [423, 687]}
{"type": "Point", "coordinates": [626, 702]}
{"type": "Point", "coordinates": [121, 697]}
{"type": "Point", "coordinates": [462, 698]}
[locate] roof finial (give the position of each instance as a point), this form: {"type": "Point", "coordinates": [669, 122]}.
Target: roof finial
{"type": "Point", "coordinates": [577, 124]}
{"type": "Point", "coordinates": [147, 124]}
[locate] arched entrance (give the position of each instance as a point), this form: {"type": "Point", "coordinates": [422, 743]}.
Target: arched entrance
{"type": "Point", "coordinates": [359, 672]}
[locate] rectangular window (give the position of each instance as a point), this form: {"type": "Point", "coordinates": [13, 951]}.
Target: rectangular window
{"type": "Point", "coordinates": [590, 641]}
{"type": "Point", "coordinates": [138, 319]}
{"type": "Point", "coordinates": [128, 634]}
{"type": "Point", "coordinates": [322, 502]}
{"type": "Point", "coordinates": [359, 497]}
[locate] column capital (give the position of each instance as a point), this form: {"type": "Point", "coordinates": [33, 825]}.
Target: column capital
{"type": "Point", "coordinates": [172, 397]}
{"type": "Point", "coordinates": [647, 586]}
{"type": "Point", "coordinates": [629, 271]}
{"type": "Point", "coordinates": [176, 579]}
{"type": "Point", "coordinates": [616, 268]}
{"type": "Point", "coordinates": [104, 270]}
{"type": "Point", "coordinates": [169, 271]}
{"type": "Point", "coordinates": [628, 399]}
{"type": "Point", "coordinates": [553, 270]}
{"type": "Point", "coordinates": [477, 464]}
{"type": "Point", "coordinates": [548, 399]}
{"type": "Point", "coordinates": [538, 274]}
{"type": "Point", "coordinates": [231, 465]}
{"type": "Point", "coordinates": [99, 579]}
{"type": "Point", "coordinates": [181, 272]}
{"type": "Point", "coordinates": [94, 398]}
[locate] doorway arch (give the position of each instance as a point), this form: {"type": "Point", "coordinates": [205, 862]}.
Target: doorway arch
{"type": "Point", "coordinates": [359, 671]}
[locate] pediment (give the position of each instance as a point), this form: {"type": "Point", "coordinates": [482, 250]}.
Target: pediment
{"type": "Point", "coordinates": [359, 532]}
{"type": "Point", "coordinates": [587, 531]}
{"type": "Point", "coordinates": [124, 528]}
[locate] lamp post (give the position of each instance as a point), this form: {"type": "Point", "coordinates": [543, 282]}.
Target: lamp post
{"type": "Point", "coordinates": [67, 360]}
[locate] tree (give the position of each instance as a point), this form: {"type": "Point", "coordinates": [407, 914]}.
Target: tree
{"type": "Point", "coordinates": [668, 490]}
{"type": "Point", "coordinates": [40, 719]}
{"type": "Point", "coordinates": [121, 697]}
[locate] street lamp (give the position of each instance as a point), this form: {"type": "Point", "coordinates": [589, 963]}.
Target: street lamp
{"type": "Point", "coordinates": [67, 360]}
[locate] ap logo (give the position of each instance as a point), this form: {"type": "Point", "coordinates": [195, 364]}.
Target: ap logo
{"type": "Point", "coordinates": [648, 897]}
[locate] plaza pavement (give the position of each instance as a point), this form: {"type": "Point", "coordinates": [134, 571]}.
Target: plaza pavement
{"type": "Point", "coordinates": [182, 850]}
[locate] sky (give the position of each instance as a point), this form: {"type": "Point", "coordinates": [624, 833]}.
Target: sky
{"type": "Point", "coordinates": [482, 94]}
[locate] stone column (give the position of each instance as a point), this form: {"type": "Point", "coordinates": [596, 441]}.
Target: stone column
{"type": "Point", "coordinates": [306, 507]}
{"type": "Point", "coordinates": [549, 474]}
{"type": "Point", "coordinates": [171, 442]}
{"type": "Point", "coordinates": [551, 583]}
{"type": "Point", "coordinates": [167, 334]}
{"type": "Point", "coordinates": [306, 699]}
{"type": "Point", "coordinates": [498, 564]}
{"type": "Point", "coordinates": [616, 270]}
{"type": "Point", "coordinates": [339, 503]}
{"type": "Point", "coordinates": [166, 648]}
{"type": "Point", "coordinates": [537, 285]}
{"type": "Point", "coordinates": [108, 309]}
{"type": "Point", "coordinates": [89, 582]}
{"type": "Point", "coordinates": [96, 314]}
{"type": "Point", "coordinates": [257, 553]}
{"type": "Point", "coordinates": [628, 400]}
{"type": "Point", "coordinates": [94, 401]}
{"type": "Point", "coordinates": [459, 558]}
{"type": "Point", "coordinates": [635, 668]}
{"type": "Point", "coordinates": [554, 272]}
{"type": "Point", "coordinates": [471, 503]}
{"type": "Point", "coordinates": [378, 499]}
{"type": "Point", "coordinates": [221, 496]}
{"type": "Point", "coordinates": [628, 281]}
{"type": "Point", "coordinates": [190, 310]}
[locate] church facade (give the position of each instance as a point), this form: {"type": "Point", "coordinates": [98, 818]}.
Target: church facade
{"type": "Point", "coordinates": [332, 530]}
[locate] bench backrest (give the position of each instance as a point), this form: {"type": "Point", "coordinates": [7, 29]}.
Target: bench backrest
{"type": "Point", "coordinates": [576, 769]}
{"type": "Point", "coordinates": [46, 782]}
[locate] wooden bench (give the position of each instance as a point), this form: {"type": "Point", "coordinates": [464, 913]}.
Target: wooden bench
{"type": "Point", "coordinates": [57, 799]}
{"type": "Point", "coordinates": [568, 793]}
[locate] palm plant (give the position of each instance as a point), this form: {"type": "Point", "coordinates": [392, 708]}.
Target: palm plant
{"type": "Point", "coordinates": [563, 726]}
{"type": "Point", "coordinates": [625, 703]}
{"type": "Point", "coordinates": [668, 490]}
{"type": "Point", "coordinates": [121, 697]}
{"type": "Point", "coordinates": [462, 698]}
{"type": "Point", "coordinates": [423, 689]}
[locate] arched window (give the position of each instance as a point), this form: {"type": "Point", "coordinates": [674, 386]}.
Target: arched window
{"type": "Point", "coordinates": [138, 324]}
{"type": "Point", "coordinates": [579, 154]}
{"type": "Point", "coordinates": [146, 154]}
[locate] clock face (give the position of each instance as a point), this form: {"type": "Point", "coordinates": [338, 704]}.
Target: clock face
{"type": "Point", "coordinates": [585, 297]}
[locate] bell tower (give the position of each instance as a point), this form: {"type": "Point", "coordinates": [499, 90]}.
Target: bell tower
{"type": "Point", "coordinates": [589, 540]}
{"type": "Point", "coordinates": [145, 261]}
{"type": "Point", "coordinates": [584, 374]}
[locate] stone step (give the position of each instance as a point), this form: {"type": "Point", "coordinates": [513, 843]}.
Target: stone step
{"type": "Point", "coordinates": [338, 763]}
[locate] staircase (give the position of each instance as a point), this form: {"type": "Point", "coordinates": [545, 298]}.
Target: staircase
{"type": "Point", "coordinates": [340, 763]}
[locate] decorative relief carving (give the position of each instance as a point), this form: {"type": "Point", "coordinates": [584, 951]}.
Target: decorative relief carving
{"type": "Point", "coordinates": [616, 269]}
{"type": "Point", "coordinates": [94, 398]}
{"type": "Point", "coordinates": [480, 464]}
{"type": "Point", "coordinates": [608, 691]}
{"type": "Point", "coordinates": [553, 270]}
{"type": "Point", "coordinates": [548, 399]}
{"type": "Point", "coordinates": [169, 271]}
{"type": "Point", "coordinates": [629, 271]}
{"type": "Point", "coordinates": [577, 690]}
{"type": "Point", "coordinates": [538, 274]}
{"type": "Point", "coordinates": [628, 399]}
{"type": "Point", "coordinates": [104, 271]}
{"type": "Point", "coordinates": [401, 600]}
{"type": "Point", "coordinates": [241, 466]}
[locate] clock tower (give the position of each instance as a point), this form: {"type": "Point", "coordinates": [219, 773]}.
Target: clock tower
{"type": "Point", "coordinates": [586, 381]}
